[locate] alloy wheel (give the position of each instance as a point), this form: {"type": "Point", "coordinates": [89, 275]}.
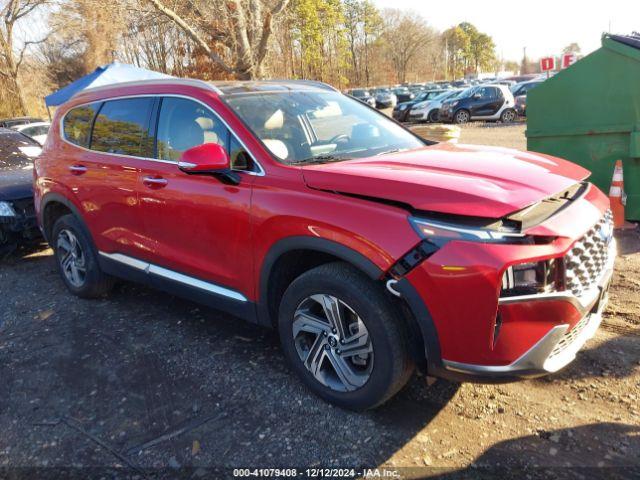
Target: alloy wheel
{"type": "Point", "coordinates": [71, 257]}
{"type": "Point", "coordinates": [333, 342]}
{"type": "Point", "coordinates": [508, 116]}
{"type": "Point", "coordinates": [462, 116]}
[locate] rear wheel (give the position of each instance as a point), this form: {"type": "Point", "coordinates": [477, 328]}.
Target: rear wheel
{"type": "Point", "coordinates": [508, 116]}
{"type": "Point", "coordinates": [77, 259]}
{"type": "Point", "coordinates": [344, 337]}
{"type": "Point", "coordinates": [462, 116]}
{"type": "Point", "coordinates": [434, 115]}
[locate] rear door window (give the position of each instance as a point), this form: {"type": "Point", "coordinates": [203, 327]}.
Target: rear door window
{"type": "Point", "coordinates": [77, 124]}
{"type": "Point", "coordinates": [122, 127]}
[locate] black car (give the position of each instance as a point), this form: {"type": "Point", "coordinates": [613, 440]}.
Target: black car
{"type": "Point", "coordinates": [484, 102]}
{"type": "Point", "coordinates": [363, 95]}
{"type": "Point", "coordinates": [14, 122]}
{"type": "Point", "coordinates": [523, 88]}
{"type": "Point", "coordinates": [17, 215]}
{"type": "Point", "coordinates": [404, 95]}
{"type": "Point", "coordinates": [401, 110]}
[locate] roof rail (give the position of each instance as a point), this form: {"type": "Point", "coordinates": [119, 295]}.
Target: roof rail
{"type": "Point", "coordinates": [156, 81]}
{"type": "Point", "coordinates": [317, 83]}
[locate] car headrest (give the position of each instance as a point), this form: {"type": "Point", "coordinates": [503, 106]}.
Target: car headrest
{"type": "Point", "coordinates": [190, 135]}
{"type": "Point", "coordinates": [205, 123]}
{"type": "Point", "coordinates": [275, 121]}
{"type": "Point", "coordinates": [277, 147]}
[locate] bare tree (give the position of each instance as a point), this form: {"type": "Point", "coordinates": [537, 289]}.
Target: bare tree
{"type": "Point", "coordinates": [242, 28]}
{"type": "Point", "coordinates": [406, 35]}
{"type": "Point", "coordinates": [11, 12]}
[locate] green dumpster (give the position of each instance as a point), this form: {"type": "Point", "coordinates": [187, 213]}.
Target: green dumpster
{"type": "Point", "coordinates": [590, 114]}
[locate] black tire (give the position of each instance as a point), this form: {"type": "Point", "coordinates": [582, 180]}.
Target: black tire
{"type": "Point", "coordinates": [95, 282]}
{"type": "Point", "coordinates": [461, 117]}
{"type": "Point", "coordinates": [434, 115]}
{"type": "Point", "coordinates": [508, 116]}
{"type": "Point", "coordinates": [391, 363]}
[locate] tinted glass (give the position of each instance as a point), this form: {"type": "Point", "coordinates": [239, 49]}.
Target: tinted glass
{"type": "Point", "coordinates": [77, 124]}
{"type": "Point", "coordinates": [185, 124]}
{"type": "Point", "coordinates": [122, 127]}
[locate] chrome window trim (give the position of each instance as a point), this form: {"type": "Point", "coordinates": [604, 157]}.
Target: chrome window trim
{"type": "Point", "coordinates": [151, 269]}
{"type": "Point", "coordinates": [259, 173]}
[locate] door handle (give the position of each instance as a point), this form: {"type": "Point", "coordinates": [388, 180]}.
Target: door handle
{"type": "Point", "coordinates": [78, 169]}
{"type": "Point", "coordinates": [155, 182]}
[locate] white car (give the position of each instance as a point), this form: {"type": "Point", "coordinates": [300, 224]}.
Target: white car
{"type": "Point", "coordinates": [37, 131]}
{"type": "Point", "coordinates": [428, 111]}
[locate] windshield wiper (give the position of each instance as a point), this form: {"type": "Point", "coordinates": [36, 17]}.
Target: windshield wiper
{"type": "Point", "coordinates": [394, 150]}
{"type": "Point", "coordinates": [319, 159]}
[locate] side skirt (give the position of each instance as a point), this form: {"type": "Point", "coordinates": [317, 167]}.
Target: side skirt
{"type": "Point", "coordinates": [190, 288]}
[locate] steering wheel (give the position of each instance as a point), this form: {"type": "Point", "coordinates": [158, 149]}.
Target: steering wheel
{"type": "Point", "coordinates": [341, 137]}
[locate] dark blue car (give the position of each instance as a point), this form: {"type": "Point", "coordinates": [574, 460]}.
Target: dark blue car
{"type": "Point", "coordinates": [17, 215]}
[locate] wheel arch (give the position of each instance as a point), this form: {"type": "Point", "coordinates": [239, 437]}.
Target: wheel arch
{"type": "Point", "coordinates": [273, 281]}
{"type": "Point", "coordinates": [425, 347]}
{"type": "Point", "coordinates": [53, 206]}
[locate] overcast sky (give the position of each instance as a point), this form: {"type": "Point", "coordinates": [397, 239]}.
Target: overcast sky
{"type": "Point", "coordinates": [543, 26]}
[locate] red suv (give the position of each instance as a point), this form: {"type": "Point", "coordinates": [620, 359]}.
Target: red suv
{"type": "Point", "coordinates": [371, 250]}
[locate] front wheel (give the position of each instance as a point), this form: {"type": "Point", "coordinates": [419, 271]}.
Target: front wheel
{"type": "Point", "coordinates": [344, 337]}
{"type": "Point", "coordinates": [462, 116]}
{"type": "Point", "coordinates": [508, 116]}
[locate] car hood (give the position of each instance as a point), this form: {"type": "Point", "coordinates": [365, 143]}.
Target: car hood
{"type": "Point", "coordinates": [16, 184]}
{"type": "Point", "coordinates": [461, 180]}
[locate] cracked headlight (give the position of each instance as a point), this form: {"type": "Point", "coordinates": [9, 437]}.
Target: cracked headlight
{"type": "Point", "coordinates": [6, 210]}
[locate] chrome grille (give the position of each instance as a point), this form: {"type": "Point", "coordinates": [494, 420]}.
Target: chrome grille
{"type": "Point", "coordinates": [589, 256]}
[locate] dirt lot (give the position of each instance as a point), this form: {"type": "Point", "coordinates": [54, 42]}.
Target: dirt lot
{"type": "Point", "coordinates": [143, 380]}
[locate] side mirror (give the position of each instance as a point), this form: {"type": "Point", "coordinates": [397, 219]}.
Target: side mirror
{"type": "Point", "coordinates": [477, 96]}
{"type": "Point", "coordinates": [208, 159]}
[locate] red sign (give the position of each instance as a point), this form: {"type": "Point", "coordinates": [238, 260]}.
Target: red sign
{"type": "Point", "coordinates": [547, 64]}
{"type": "Point", "coordinates": [569, 59]}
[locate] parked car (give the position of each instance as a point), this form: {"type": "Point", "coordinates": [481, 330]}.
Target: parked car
{"type": "Point", "coordinates": [385, 98]}
{"type": "Point", "coordinates": [429, 109]}
{"type": "Point", "coordinates": [17, 215]}
{"type": "Point", "coordinates": [401, 110]}
{"type": "Point", "coordinates": [521, 105]}
{"type": "Point", "coordinates": [403, 95]}
{"type": "Point", "coordinates": [37, 131]}
{"type": "Point", "coordinates": [363, 95]}
{"type": "Point", "coordinates": [369, 249]}
{"type": "Point", "coordinates": [484, 102]}
{"type": "Point", "coordinates": [524, 87]}
{"type": "Point", "coordinates": [12, 122]}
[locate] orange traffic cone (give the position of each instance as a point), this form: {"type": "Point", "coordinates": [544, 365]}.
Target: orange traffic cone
{"type": "Point", "coordinates": [618, 198]}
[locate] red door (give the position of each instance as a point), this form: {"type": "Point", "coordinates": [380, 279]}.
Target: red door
{"type": "Point", "coordinates": [104, 180]}
{"type": "Point", "coordinates": [200, 226]}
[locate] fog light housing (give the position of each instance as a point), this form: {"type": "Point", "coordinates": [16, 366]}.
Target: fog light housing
{"type": "Point", "coordinates": [532, 278]}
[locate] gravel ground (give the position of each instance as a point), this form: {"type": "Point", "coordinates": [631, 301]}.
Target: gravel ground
{"type": "Point", "coordinates": [143, 380]}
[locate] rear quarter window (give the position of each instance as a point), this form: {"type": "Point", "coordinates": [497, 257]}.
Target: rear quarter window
{"type": "Point", "coordinates": [77, 124]}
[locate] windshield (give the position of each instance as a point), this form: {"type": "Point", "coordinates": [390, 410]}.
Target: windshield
{"type": "Point", "coordinates": [311, 127]}
{"type": "Point", "coordinates": [16, 151]}
{"type": "Point", "coordinates": [359, 93]}
{"type": "Point", "coordinates": [445, 95]}
{"type": "Point", "coordinates": [467, 93]}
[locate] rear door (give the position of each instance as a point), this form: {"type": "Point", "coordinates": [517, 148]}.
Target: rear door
{"type": "Point", "coordinates": [104, 176]}
{"type": "Point", "coordinates": [200, 226]}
